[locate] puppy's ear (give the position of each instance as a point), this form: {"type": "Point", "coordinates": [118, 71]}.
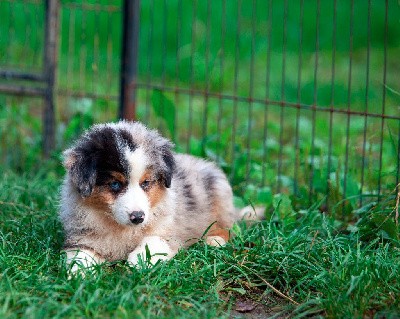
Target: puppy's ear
{"type": "Point", "coordinates": [169, 167]}
{"type": "Point", "coordinates": [82, 169]}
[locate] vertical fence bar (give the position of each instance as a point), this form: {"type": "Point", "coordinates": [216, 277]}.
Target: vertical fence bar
{"type": "Point", "coordinates": [163, 55]}
{"type": "Point", "coordinates": [398, 164]}
{"type": "Point", "coordinates": [28, 28]}
{"type": "Point", "coordinates": [207, 69]}
{"type": "Point", "coordinates": [366, 104]}
{"type": "Point", "coordinates": [267, 91]}
{"type": "Point", "coordinates": [192, 84]}
{"type": "Point", "coordinates": [71, 47]}
{"type": "Point", "coordinates": [83, 47]}
{"type": "Point", "coordinates": [283, 98]}
{"type": "Point", "coordinates": [11, 31]}
{"type": "Point", "coordinates": [349, 87]}
{"type": "Point", "coordinates": [177, 59]}
{"type": "Point", "coordinates": [50, 65]}
{"type": "Point", "coordinates": [297, 138]}
{"type": "Point", "coordinates": [385, 45]}
{"type": "Point", "coordinates": [221, 79]}
{"type": "Point", "coordinates": [331, 107]}
{"type": "Point", "coordinates": [315, 103]}
{"type": "Point", "coordinates": [149, 66]}
{"type": "Point", "coordinates": [235, 88]}
{"type": "Point", "coordinates": [251, 89]}
{"type": "Point", "coordinates": [37, 44]}
{"type": "Point", "coordinates": [178, 56]}
{"type": "Point", "coordinates": [109, 52]}
{"type": "Point", "coordinates": [96, 50]}
{"type": "Point", "coordinates": [130, 41]}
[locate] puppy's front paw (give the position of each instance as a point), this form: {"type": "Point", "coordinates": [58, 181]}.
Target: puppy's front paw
{"type": "Point", "coordinates": [152, 249]}
{"type": "Point", "coordinates": [215, 241]}
{"type": "Point", "coordinates": [80, 260]}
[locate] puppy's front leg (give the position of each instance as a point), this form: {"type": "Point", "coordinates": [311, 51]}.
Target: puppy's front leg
{"type": "Point", "coordinates": [81, 259]}
{"type": "Point", "coordinates": [158, 247]}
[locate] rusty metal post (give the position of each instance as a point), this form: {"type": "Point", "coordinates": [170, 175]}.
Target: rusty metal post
{"type": "Point", "coordinates": [49, 68]}
{"type": "Point", "coordinates": [130, 41]}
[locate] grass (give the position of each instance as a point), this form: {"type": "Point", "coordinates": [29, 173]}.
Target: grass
{"type": "Point", "coordinates": [327, 271]}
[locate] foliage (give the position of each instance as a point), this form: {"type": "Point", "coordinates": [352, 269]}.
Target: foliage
{"type": "Point", "coordinates": [20, 144]}
{"type": "Point", "coordinates": [164, 109]}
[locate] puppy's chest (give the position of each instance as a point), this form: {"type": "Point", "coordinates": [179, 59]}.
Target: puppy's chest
{"type": "Point", "coordinates": [115, 245]}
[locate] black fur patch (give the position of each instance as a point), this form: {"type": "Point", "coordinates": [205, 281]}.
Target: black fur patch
{"type": "Point", "coordinates": [190, 200]}
{"type": "Point", "coordinates": [126, 137]}
{"type": "Point", "coordinates": [182, 177]}
{"type": "Point", "coordinates": [180, 174]}
{"type": "Point", "coordinates": [97, 154]}
{"type": "Point", "coordinates": [169, 161]}
{"type": "Point", "coordinates": [209, 182]}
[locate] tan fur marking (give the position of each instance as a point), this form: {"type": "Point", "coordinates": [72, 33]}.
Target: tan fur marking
{"type": "Point", "coordinates": [118, 176]}
{"type": "Point", "coordinates": [146, 176]}
{"type": "Point", "coordinates": [219, 214]}
{"type": "Point", "coordinates": [156, 190]}
{"type": "Point", "coordinates": [156, 194]}
{"type": "Point", "coordinates": [102, 197]}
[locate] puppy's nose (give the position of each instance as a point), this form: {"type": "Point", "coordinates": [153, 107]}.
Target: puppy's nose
{"type": "Point", "coordinates": [136, 217]}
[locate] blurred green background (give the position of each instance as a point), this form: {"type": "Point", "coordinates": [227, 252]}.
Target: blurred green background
{"type": "Point", "coordinates": [326, 56]}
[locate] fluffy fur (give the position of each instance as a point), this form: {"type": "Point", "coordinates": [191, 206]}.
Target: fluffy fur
{"type": "Point", "coordinates": [125, 191]}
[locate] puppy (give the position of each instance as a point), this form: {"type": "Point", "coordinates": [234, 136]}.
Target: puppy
{"type": "Point", "coordinates": [127, 195]}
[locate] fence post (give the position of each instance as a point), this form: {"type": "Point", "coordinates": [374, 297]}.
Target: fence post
{"type": "Point", "coordinates": [130, 41]}
{"type": "Point", "coordinates": [50, 65]}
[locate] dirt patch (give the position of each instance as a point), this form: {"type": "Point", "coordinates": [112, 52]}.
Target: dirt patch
{"type": "Point", "coordinates": [255, 304]}
{"type": "Point", "coordinates": [249, 309]}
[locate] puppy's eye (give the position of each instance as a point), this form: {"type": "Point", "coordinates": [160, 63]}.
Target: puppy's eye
{"type": "Point", "coordinates": [115, 186]}
{"type": "Point", "coordinates": [145, 185]}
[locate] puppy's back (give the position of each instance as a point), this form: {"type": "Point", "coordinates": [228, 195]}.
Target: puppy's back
{"type": "Point", "coordinates": [204, 192]}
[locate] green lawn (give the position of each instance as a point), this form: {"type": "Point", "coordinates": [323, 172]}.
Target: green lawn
{"type": "Point", "coordinates": [306, 257]}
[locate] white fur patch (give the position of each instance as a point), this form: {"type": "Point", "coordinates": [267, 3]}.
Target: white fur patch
{"type": "Point", "coordinates": [134, 198]}
{"type": "Point", "coordinates": [158, 248]}
{"type": "Point", "coordinates": [138, 162]}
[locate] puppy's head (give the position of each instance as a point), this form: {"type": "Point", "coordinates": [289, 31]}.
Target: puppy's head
{"type": "Point", "coordinates": [122, 169]}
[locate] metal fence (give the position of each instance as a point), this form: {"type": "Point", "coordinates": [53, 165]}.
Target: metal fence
{"type": "Point", "coordinates": [67, 52]}
{"type": "Point", "coordinates": [296, 97]}
{"type": "Point", "coordinates": [43, 78]}
{"type": "Point", "coordinates": [299, 97]}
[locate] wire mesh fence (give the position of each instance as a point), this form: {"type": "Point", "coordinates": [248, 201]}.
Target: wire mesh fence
{"type": "Point", "coordinates": [88, 53]}
{"type": "Point", "coordinates": [21, 45]}
{"type": "Point", "coordinates": [89, 60]}
{"type": "Point", "coordinates": [296, 97]}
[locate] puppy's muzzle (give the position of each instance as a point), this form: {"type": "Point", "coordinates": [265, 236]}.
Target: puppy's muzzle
{"type": "Point", "coordinates": [136, 217]}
